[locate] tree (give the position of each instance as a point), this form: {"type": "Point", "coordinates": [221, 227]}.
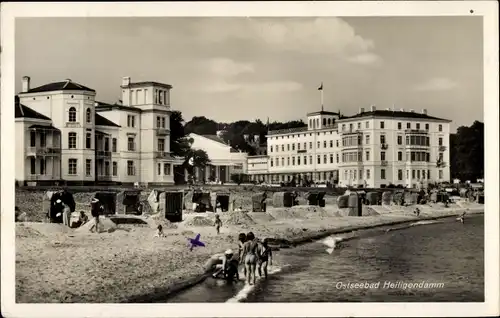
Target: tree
{"type": "Point", "coordinates": [467, 152]}
{"type": "Point", "coordinates": [201, 126]}
{"type": "Point", "coordinates": [180, 144]}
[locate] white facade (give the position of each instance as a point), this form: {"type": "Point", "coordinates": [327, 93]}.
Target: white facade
{"type": "Point", "coordinates": [224, 160]}
{"type": "Point", "coordinates": [122, 143]}
{"type": "Point", "coordinates": [395, 147]}
{"type": "Point", "coordinates": [257, 167]}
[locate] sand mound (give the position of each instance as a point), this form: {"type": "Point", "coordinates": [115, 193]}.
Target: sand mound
{"type": "Point", "coordinates": [261, 217]}
{"type": "Point", "coordinates": [239, 218]}
{"type": "Point", "coordinates": [369, 211]}
{"type": "Point", "coordinates": [27, 231]}
{"type": "Point", "coordinates": [297, 212]}
{"type": "Point", "coordinates": [199, 221]}
{"type": "Point", "coordinates": [158, 219]}
{"type": "Point", "coordinates": [105, 225]}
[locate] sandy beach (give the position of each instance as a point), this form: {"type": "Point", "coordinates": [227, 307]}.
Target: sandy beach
{"type": "Point", "coordinates": [61, 265]}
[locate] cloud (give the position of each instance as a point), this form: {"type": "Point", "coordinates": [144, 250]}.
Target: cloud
{"type": "Point", "coordinates": [365, 59]}
{"type": "Point", "coordinates": [262, 87]}
{"type": "Point", "coordinates": [304, 35]}
{"type": "Point", "coordinates": [436, 84]}
{"type": "Point", "coordinates": [227, 67]}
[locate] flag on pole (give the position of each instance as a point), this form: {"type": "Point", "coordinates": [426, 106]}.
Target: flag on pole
{"type": "Point", "coordinates": [320, 88]}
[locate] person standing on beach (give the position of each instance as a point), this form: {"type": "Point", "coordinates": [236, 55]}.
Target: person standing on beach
{"type": "Point", "coordinates": [250, 253]}
{"type": "Point", "coordinates": [96, 208]}
{"type": "Point", "coordinates": [242, 238]}
{"type": "Point", "coordinates": [66, 214]}
{"type": "Point", "coordinates": [218, 223]}
{"type": "Point", "coordinates": [265, 256]}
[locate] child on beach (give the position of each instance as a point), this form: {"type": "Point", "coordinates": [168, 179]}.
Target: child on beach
{"type": "Point", "coordinates": [266, 256]}
{"type": "Point", "coordinates": [242, 238]}
{"type": "Point", "coordinates": [159, 231]}
{"type": "Point", "coordinates": [96, 209]}
{"type": "Point", "coordinates": [218, 223]}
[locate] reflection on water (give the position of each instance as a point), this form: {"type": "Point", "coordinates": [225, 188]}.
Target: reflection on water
{"type": "Point", "coordinates": [448, 257]}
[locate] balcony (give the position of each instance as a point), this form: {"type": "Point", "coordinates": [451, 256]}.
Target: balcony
{"type": "Point", "coordinates": [383, 163]}
{"type": "Point", "coordinates": [416, 131]}
{"type": "Point", "coordinates": [161, 154]}
{"type": "Point", "coordinates": [442, 148]}
{"type": "Point", "coordinates": [162, 131]}
{"type": "Point", "coordinates": [441, 164]}
{"type": "Point", "coordinates": [41, 177]}
{"type": "Point", "coordinates": [43, 151]}
{"type": "Point", "coordinates": [384, 146]}
{"type": "Point", "coordinates": [351, 132]}
{"type": "Point", "coordinates": [72, 124]}
{"type": "Point", "coordinates": [103, 154]}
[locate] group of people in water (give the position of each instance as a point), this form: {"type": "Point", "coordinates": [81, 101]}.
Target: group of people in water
{"type": "Point", "coordinates": [253, 254]}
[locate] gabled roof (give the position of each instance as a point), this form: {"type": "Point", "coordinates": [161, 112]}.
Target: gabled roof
{"type": "Point", "coordinates": [216, 139]}
{"type": "Point", "coordinates": [67, 85]}
{"type": "Point", "coordinates": [287, 131]}
{"type": "Point", "coordinates": [22, 111]}
{"type": "Point", "coordinates": [394, 114]}
{"type": "Point", "coordinates": [50, 127]}
{"type": "Point", "coordinates": [102, 121]}
{"type": "Point", "coordinates": [101, 106]}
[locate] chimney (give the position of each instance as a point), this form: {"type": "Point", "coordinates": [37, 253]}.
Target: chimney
{"type": "Point", "coordinates": [26, 84]}
{"type": "Point", "coordinates": [361, 110]}
{"type": "Point", "coordinates": [373, 108]}
{"type": "Point", "coordinates": [126, 81]}
{"type": "Point", "coordinates": [412, 110]}
{"type": "Point", "coordinates": [424, 111]}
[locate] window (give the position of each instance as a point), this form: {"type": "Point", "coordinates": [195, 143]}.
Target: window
{"type": "Point", "coordinates": [166, 169]}
{"type": "Point", "coordinates": [407, 174]}
{"type": "Point", "coordinates": [293, 147]}
{"type": "Point", "coordinates": [382, 125]}
{"type": "Point", "coordinates": [33, 165]}
{"type": "Point", "coordinates": [399, 125]}
{"type": "Point", "coordinates": [343, 127]}
{"type": "Point", "coordinates": [72, 166]}
{"type": "Point", "coordinates": [88, 140]}
{"type": "Point", "coordinates": [130, 121]}
{"type": "Point", "coordinates": [428, 174]}
{"type": "Point", "coordinates": [288, 147]}
{"type": "Point", "coordinates": [282, 147]}
{"type": "Point", "coordinates": [72, 140]}
{"type": "Point", "coordinates": [305, 160]}
{"type": "Point", "coordinates": [72, 114]}
{"type": "Point", "coordinates": [400, 140]}
{"type": "Point", "coordinates": [440, 128]}
{"type": "Point", "coordinates": [106, 168]}
{"type": "Point", "coordinates": [423, 174]}
{"type": "Point", "coordinates": [324, 159]}
{"type": "Point", "coordinates": [298, 146]}
{"type": "Point", "coordinates": [324, 144]}
{"type": "Point", "coordinates": [130, 168]}
{"type": "Point", "coordinates": [400, 174]}
{"type": "Point", "coordinates": [32, 139]}
{"type": "Point", "coordinates": [158, 121]}
{"type": "Point", "coordinates": [282, 161]}
{"type": "Point", "coordinates": [106, 144]}
{"type": "Point", "coordinates": [324, 121]}
{"type": "Point", "coordinates": [337, 143]}
{"type": "Point", "coordinates": [418, 174]}
{"type": "Point", "coordinates": [305, 145]}
{"type": "Point", "coordinates": [310, 160]}
{"type": "Point", "coordinates": [426, 126]}
{"type": "Point", "coordinates": [163, 122]}
{"type": "Point", "coordinates": [131, 144]}
{"type": "Point", "coordinates": [367, 156]}
{"type": "Point", "coordinates": [42, 166]}
{"type": "Point", "coordinates": [276, 148]}
{"type": "Point", "coordinates": [382, 139]}
{"type": "Point", "coordinates": [367, 139]}
{"type": "Point", "coordinates": [408, 125]}
{"type": "Point", "coordinates": [382, 174]}
{"type": "Point", "coordinates": [440, 140]}
{"type": "Point", "coordinates": [418, 126]}
{"type": "Point", "coordinates": [359, 125]}
{"type": "Point", "coordinates": [331, 158]}
{"type": "Point", "coordinates": [367, 124]}
{"type": "Point", "coordinates": [350, 127]}
{"type": "Point", "coordinates": [88, 167]}
{"type": "Point", "coordinates": [277, 162]}
{"type": "Point", "coordinates": [161, 144]}
{"type": "Point", "coordinates": [413, 174]}
{"type": "Point", "coordinates": [382, 155]}
{"type": "Point", "coordinates": [114, 144]}
{"type": "Point", "coordinates": [115, 168]}
{"type": "Point", "coordinates": [400, 156]}
{"type": "Point", "coordinates": [319, 159]}
{"type": "Point", "coordinates": [338, 158]}
{"type": "Point", "coordinates": [88, 115]}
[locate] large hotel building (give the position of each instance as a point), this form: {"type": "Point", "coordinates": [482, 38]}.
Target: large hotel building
{"type": "Point", "coordinates": [372, 148]}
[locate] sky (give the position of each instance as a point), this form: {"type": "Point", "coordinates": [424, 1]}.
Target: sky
{"type": "Point", "coordinates": [230, 69]}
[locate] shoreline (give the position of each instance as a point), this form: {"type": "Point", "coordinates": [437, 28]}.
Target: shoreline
{"type": "Point", "coordinates": [172, 291]}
